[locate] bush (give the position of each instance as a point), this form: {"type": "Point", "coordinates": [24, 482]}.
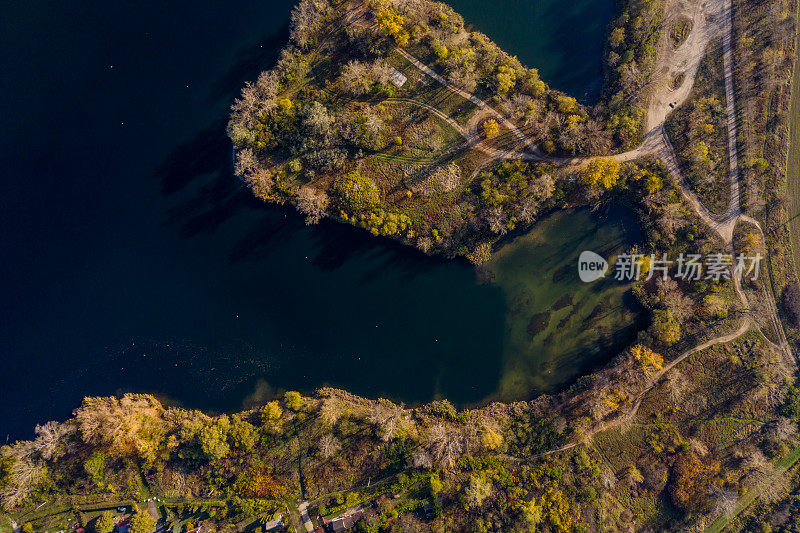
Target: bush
{"type": "Point", "coordinates": [356, 193]}
{"type": "Point", "coordinates": [791, 302]}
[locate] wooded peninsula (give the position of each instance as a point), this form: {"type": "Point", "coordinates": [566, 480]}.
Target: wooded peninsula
{"type": "Point", "coordinates": [396, 117]}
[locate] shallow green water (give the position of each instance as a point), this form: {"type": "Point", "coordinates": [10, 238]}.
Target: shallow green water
{"type": "Point", "coordinates": [556, 326]}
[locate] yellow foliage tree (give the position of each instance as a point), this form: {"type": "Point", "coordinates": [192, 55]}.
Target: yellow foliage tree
{"type": "Point", "coordinates": [602, 172]}
{"type": "Point", "coordinates": [491, 439]}
{"type": "Point", "coordinates": [650, 360]}
{"type": "Point", "coordinates": [506, 78]}
{"type": "Point", "coordinates": [491, 128]}
{"type": "Point", "coordinates": [480, 254]}
{"type": "Point", "coordinates": [391, 24]}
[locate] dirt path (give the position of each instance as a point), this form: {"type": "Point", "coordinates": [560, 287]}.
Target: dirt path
{"type": "Point", "coordinates": [710, 19]}
{"type": "Point", "coordinates": [524, 139]}
{"type": "Point", "coordinates": [303, 510]}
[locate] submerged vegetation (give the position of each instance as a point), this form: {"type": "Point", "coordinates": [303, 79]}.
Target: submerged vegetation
{"type": "Point", "coordinates": [395, 117]}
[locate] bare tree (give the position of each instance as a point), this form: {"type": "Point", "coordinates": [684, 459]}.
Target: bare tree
{"type": "Point", "coordinates": [307, 17]}
{"type": "Point", "coordinates": [754, 459]}
{"type": "Point", "coordinates": [725, 502]}
{"type": "Point", "coordinates": [312, 203]}
{"type": "Point", "coordinates": [497, 219]}
{"type": "Point", "coordinates": [542, 188]}
{"type": "Point", "coordinates": [421, 458]}
{"type": "Point", "coordinates": [772, 488]}
{"type": "Point", "coordinates": [388, 418]}
{"type": "Point", "coordinates": [673, 298]}
{"type": "Point", "coordinates": [380, 71]}
{"type": "Point", "coordinates": [355, 78]}
{"type": "Point", "coordinates": [246, 163]}
{"type": "Point", "coordinates": [23, 475]}
{"type": "Point", "coordinates": [330, 411]}
{"type": "Point", "coordinates": [677, 384]}
{"type": "Point", "coordinates": [519, 106]}
{"type": "Point", "coordinates": [445, 445]}
{"type": "Point", "coordinates": [49, 443]}
{"type": "Point", "coordinates": [318, 120]}
{"type": "Point", "coordinates": [781, 429]}
{"type": "Point", "coordinates": [528, 210]}
{"type": "Point", "coordinates": [329, 446]}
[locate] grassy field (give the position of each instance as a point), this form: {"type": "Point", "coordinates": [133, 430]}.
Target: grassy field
{"type": "Point", "coordinates": [697, 129]}
{"type": "Point", "coordinates": [793, 165]}
{"type": "Point", "coordinates": [781, 466]}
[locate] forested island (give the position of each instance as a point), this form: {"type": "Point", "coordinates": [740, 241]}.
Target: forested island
{"type": "Point", "coordinates": [396, 117]}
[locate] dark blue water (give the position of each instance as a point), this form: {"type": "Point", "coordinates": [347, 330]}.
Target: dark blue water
{"type": "Point", "coordinates": [133, 261]}
{"type": "Point", "coordinates": [563, 39]}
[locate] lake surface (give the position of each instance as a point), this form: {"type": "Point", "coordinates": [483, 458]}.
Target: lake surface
{"type": "Point", "coordinates": [133, 260]}
{"type": "Point", "coordinates": [563, 39]}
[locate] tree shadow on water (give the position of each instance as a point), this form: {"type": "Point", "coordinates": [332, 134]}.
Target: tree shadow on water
{"type": "Point", "coordinates": [209, 152]}
{"type": "Point", "coordinates": [276, 225]}
{"type": "Point", "coordinates": [250, 62]}
{"type": "Point", "coordinates": [200, 169]}
{"type": "Point", "coordinates": [337, 244]}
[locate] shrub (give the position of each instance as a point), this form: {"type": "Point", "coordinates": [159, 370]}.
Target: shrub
{"type": "Point", "coordinates": [356, 193]}
{"type": "Point", "coordinates": [791, 302]}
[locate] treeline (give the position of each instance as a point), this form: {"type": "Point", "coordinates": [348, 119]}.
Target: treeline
{"type": "Point", "coordinates": [631, 56]}
{"type": "Point", "coordinates": [435, 454]}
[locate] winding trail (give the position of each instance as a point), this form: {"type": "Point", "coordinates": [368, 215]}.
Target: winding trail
{"type": "Point", "coordinates": [710, 19]}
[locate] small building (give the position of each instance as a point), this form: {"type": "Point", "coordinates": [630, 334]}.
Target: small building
{"type": "Point", "coordinates": [397, 77]}
{"type": "Point", "coordinates": [428, 511]}
{"type": "Point", "coordinates": [123, 526]}
{"type": "Point", "coordinates": [343, 523]}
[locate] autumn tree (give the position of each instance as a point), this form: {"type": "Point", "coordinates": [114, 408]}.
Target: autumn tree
{"type": "Point", "coordinates": [130, 425]}
{"type": "Point", "coordinates": [95, 466]}
{"type": "Point", "coordinates": [312, 203]}
{"type": "Point", "coordinates": [476, 492]}
{"type": "Point", "coordinates": [691, 479]}
{"type": "Point", "coordinates": [506, 78]}
{"type": "Point", "coordinates": [271, 413]}
{"type": "Point", "coordinates": [242, 435]}
{"type": "Point", "coordinates": [142, 522]}
{"type": "Point", "coordinates": [491, 128]}
{"type": "Point", "coordinates": [601, 173]}
{"type": "Point", "coordinates": [650, 361]}
{"type": "Point", "coordinates": [791, 302]}
{"type": "Point", "coordinates": [356, 193]}
{"type": "Point", "coordinates": [104, 523]}
{"type": "Point", "coordinates": [214, 439]}
{"type": "Point", "coordinates": [665, 327]}
{"type": "Point", "coordinates": [391, 23]}
{"type": "Point", "coordinates": [293, 400]}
